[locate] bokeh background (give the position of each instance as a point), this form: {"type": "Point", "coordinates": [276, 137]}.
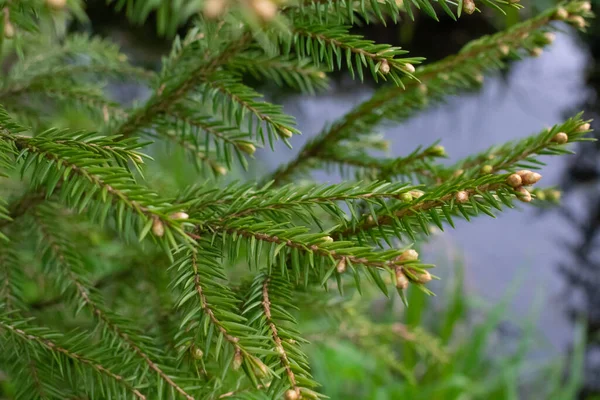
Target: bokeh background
{"type": "Point", "coordinates": [544, 258]}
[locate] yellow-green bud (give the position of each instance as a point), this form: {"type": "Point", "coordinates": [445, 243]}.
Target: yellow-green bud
{"type": "Point", "coordinates": [561, 14]}
{"type": "Point", "coordinates": [554, 195]}
{"type": "Point", "coordinates": [179, 215]}
{"type": "Point", "coordinates": [504, 49]}
{"type": "Point", "coordinates": [540, 194]}
{"type": "Point", "coordinates": [487, 169]}
{"type": "Point", "coordinates": [291, 394]}
{"type": "Point", "coordinates": [585, 6]}
{"type": "Point", "coordinates": [341, 266]}
{"type": "Point", "coordinates": [237, 361]}
{"type": "Point", "coordinates": [438, 151]}
{"type": "Point", "coordinates": [577, 21]}
{"type": "Point", "coordinates": [523, 194]}
{"type": "Point", "coordinates": [583, 127]}
{"type": "Point", "coordinates": [9, 30]}
{"type": "Point", "coordinates": [549, 37]}
{"type": "Point", "coordinates": [384, 67]}
{"type": "Point", "coordinates": [247, 148]}
{"type": "Point", "coordinates": [197, 353]}
{"type": "Point", "coordinates": [462, 197]}
{"type": "Point", "coordinates": [408, 255]}
{"type": "Point", "coordinates": [158, 229]}
{"type": "Point", "coordinates": [402, 281]}
{"type": "Point", "coordinates": [536, 52]}
{"type": "Point", "coordinates": [514, 180]}
{"type": "Point", "coordinates": [469, 6]}
{"type": "Point", "coordinates": [561, 138]}
{"type": "Point", "coordinates": [286, 133]}
{"type": "Point", "coordinates": [406, 197]}
{"type": "Point", "coordinates": [408, 67]}
{"type": "Point", "coordinates": [531, 178]}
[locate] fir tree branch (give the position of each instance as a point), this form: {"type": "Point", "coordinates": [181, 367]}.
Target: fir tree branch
{"type": "Point", "coordinates": [166, 97]}
{"type": "Point", "coordinates": [208, 303]}
{"type": "Point", "coordinates": [285, 362]}
{"type": "Point", "coordinates": [283, 70]}
{"type": "Point", "coordinates": [435, 80]}
{"type": "Point", "coordinates": [49, 345]}
{"type": "Point", "coordinates": [357, 52]}
{"type": "Point", "coordinates": [67, 259]}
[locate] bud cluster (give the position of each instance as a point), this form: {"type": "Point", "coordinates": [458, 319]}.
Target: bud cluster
{"type": "Point", "coordinates": [519, 180]}
{"type": "Point", "coordinates": [405, 274]}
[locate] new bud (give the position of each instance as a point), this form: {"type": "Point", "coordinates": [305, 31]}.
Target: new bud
{"type": "Point", "coordinates": [504, 49]}
{"type": "Point", "coordinates": [341, 266]}
{"type": "Point", "coordinates": [197, 353]}
{"type": "Point", "coordinates": [514, 180]}
{"type": "Point", "coordinates": [487, 169]}
{"type": "Point", "coordinates": [409, 68]}
{"type": "Point", "coordinates": [9, 30]}
{"type": "Point", "coordinates": [585, 6]}
{"type": "Point", "coordinates": [523, 194]}
{"type": "Point", "coordinates": [561, 14]}
{"type": "Point", "coordinates": [265, 9]}
{"type": "Point", "coordinates": [179, 215]}
{"type": "Point", "coordinates": [438, 151]}
{"type": "Point", "coordinates": [219, 170]}
{"type": "Point", "coordinates": [549, 37]}
{"type": "Point", "coordinates": [158, 229]}
{"type": "Point", "coordinates": [422, 276]}
{"type": "Point", "coordinates": [247, 148]}
{"type": "Point", "coordinates": [536, 52]}
{"type": "Point", "coordinates": [462, 197]}
{"type": "Point", "coordinates": [531, 178]}
{"type": "Point", "coordinates": [402, 281]}
{"type": "Point", "coordinates": [327, 239]}
{"type": "Point", "coordinates": [583, 127]}
{"type": "Point", "coordinates": [469, 6]}
{"type": "Point", "coordinates": [237, 360]}
{"type": "Point", "coordinates": [408, 255]}
{"type": "Point", "coordinates": [385, 67]}
{"type": "Point", "coordinates": [406, 197]}
{"type": "Point", "coordinates": [577, 21]}
{"type": "Point", "coordinates": [560, 138]}
{"type": "Point", "coordinates": [291, 394]}
{"type": "Point", "coordinates": [286, 133]}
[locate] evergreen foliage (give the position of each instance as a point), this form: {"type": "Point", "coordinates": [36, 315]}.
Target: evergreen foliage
{"type": "Point", "coordinates": [117, 282]}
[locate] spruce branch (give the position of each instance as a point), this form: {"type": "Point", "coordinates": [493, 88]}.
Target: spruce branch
{"type": "Point", "coordinates": [433, 82]}
{"type": "Point", "coordinates": [93, 178]}
{"type": "Point", "coordinates": [283, 70]}
{"type": "Point", "coordinates": [333, 45]}
{"type": "Point", "coordinates": [45, 340]}
{"type": "Point", "coordinates": [168, 95]}
{"type": "Point", "coordinates": [210, 313]}
{"type": "Point", "coordinates": [268, 306]}
{"type": "Point", "coordinates": [68, 261]}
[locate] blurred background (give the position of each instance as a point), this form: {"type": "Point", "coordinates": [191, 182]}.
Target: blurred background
{"type": "Point", "coordinates": [525, 279]}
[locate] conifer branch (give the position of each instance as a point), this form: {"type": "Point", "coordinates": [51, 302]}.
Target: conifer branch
{"type": "Point", "coordinates": [285, 362]}
{"type": "Point", "coordinates": [283, 70]}
{"type": "Point", "coordinates": [206, 302]}
{"type": "Point", "coordinates": [435, 81]}
{"type": "Point", "coordinates": [268, 304]}
{"type": "Point", "coordinates": [166, 97]}
{"type": "Point", "coordinates": [67, 259]}
{"type": "Point", "coordinates": [354, 50]}
{"type": "Point", "coordinates": [42, 339]}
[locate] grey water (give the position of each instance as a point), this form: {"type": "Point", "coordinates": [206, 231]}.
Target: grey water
{"type": "Point", "coordinates": [523, 244]}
